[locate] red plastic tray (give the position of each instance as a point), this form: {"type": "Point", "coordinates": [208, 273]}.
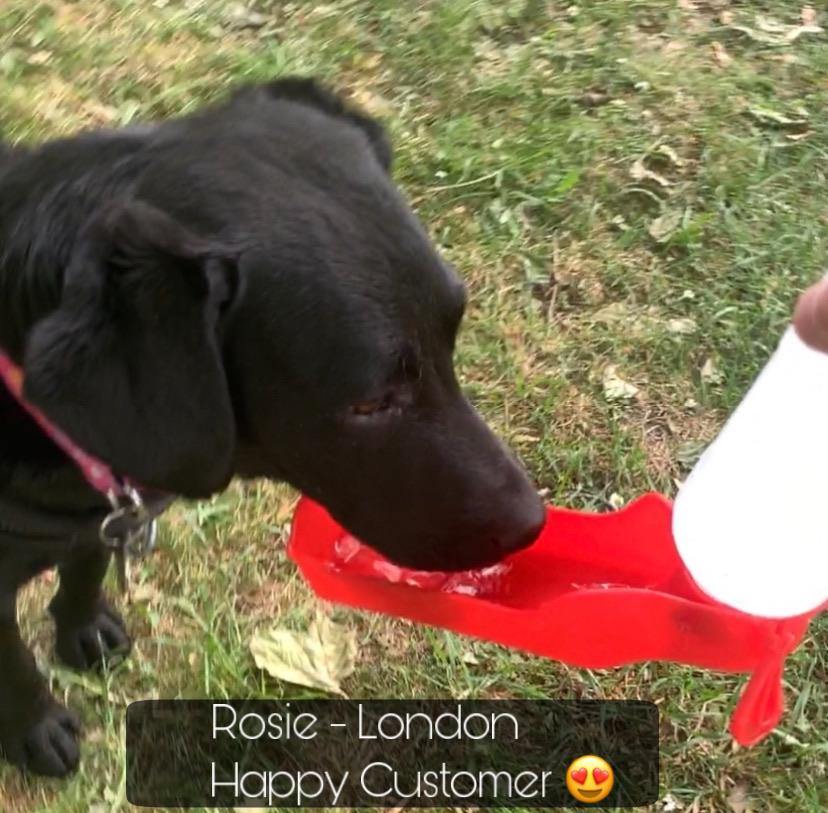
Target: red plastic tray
{"type": "Point", "coordinates": [594, 591]}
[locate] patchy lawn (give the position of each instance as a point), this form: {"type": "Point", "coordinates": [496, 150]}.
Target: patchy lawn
{"type": "Point", "coordinates": [636, 185]}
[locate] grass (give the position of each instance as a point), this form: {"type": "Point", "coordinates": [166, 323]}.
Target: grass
{"type": "Point", "coordinates": [527, 135]}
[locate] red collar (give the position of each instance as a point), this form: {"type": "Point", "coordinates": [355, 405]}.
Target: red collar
{"type": "Point", "coordinates": [97, 473]}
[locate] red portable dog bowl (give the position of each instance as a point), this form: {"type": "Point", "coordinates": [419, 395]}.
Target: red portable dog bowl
{"type": "Point", "coordinates": [617, 575]}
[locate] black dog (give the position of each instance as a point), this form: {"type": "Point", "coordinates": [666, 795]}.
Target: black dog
{"type": "Point", "coordinates": [240, 292]}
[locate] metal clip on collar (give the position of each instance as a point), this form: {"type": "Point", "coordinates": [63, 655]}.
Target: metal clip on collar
{"type": "Point", "coordinates": [129, 530]}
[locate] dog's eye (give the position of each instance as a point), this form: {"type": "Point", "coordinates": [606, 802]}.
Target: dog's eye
{"type": "Point", "coordinates": [373, 406]}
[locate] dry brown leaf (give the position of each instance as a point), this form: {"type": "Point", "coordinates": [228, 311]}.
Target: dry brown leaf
{"type": "Point", "coordinates": [767, 116]}
{"type": "Point", "coordinates": [639, 172]}
{"type": "Point", "coordinates": [770, 31]}
{"type": "Point", "coordinates": [785, 59]}
{"type": "Point", "coordinates": [595, 98]}
{"type": "Point", "coordinates": [372, 102]}
{"type": "Point", "coordinates": [682, 326]}
{"type": "Point", "coordinates": [795, 33]}
{"type": "Point", "coordinates": [669, 804]}
{"type": "Point", "coordinates": [738, 800]}
{"type": "Point", "coordinates": [720, 55]}
{"type": "Point", "coordinates": [710, 373]}
{"type": "Point", "coordinates": [616, 388]}
{"type": "Point", "coordinates": [669, 152]}
{"type": "Point", "coordinates": [674, 47]}
{"type": "Point", "coordinates": [239, 17]}
{"type": "Point", "coordinates": [320, 658]}
{"type": "Point", "coordinates": [771, 25]}
{"type": "Point", "coordinates": [368, 62]}
{"type": "Point", "coordinates": [40, 58]}
{"type": "Point", "coordinates": [663, 227]}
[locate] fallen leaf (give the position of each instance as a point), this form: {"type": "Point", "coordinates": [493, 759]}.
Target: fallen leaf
{"type": "Point", "coordinates": [145, 593]}
{"type": "Point", "coordinates": [768, 116]}
{"type": "Point", "coordinates": [663, 227]}
{"type": "Point", "coordinates": [368, 62]}
{"type": "Point", "coordinates": [720, 55]}
{"type": "Point", "coordinates": [808, 15]}
{"type": "Point", "coordinates": [738, 800]}
{"type": "Point", "coordinates": [371, 102]}
{"type": "Point", "coordinates": [710, 373]}
{"type": "Point", "coordinates": [40, 58]}
{"type": "Point", "coordinates": [795, 33]}
{"type": "Point", "coordinates": [790, 33]}
{"type": "Point", "coordinates": [770, 31]}
{"type": "Point", "coordinates": [631, 321]}
{"type": "Point", "coordinates": [771, 25]}
{"type": "Point", "coordinates": [667, 150]}
{"type": "Point", "coordinates": [595, 98]}
{"type": "Point", "coordinates": [669, 804]}
{"type": "Point", "coordinates": [615, 388]}
{"type": "Point", "coordinates": [639, 172]}
{"type": "Point", "coordinates": [240, 18]}
{"type": "Point", "coordinates": [682, 326]}
{"type": "Point", "coordinates": [320, 658]}
{"type": "Point", "coordinates": [674, 47]}
{"type": "Point", "coordinates": [757, 36]}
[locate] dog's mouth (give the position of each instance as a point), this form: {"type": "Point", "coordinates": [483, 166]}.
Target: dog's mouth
{"type": "Point", "coordinates": [446, 561]}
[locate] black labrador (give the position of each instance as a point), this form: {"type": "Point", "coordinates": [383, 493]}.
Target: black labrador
{"type": "Point", "coordinates": [240, 292]}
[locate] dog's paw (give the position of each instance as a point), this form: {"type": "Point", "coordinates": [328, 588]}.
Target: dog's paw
{"type": "Point", "coordinates": [48, 746]}
{"type": "Point", "coordinates": [99, 640]}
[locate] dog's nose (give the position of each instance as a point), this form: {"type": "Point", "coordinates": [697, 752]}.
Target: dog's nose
{"type": "Point", "coordinates": [524, 528]}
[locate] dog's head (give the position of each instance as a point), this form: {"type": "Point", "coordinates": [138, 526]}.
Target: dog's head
{"type": "Point", "coordinates": [263, 302]}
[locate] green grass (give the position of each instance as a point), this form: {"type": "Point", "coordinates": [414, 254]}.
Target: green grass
{"type": "Point", "coordinates": [517, 124]}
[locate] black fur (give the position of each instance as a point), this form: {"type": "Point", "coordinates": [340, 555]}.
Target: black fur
{"type": "Point", "coordinates": [240, 292]}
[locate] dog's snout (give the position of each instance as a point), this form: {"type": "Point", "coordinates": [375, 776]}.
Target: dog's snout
{"type": "Point", "coordinates": [524, 528]}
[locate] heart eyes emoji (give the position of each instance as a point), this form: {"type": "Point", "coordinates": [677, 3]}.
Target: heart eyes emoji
{"type": "Point", "coordinates": [590, 779]}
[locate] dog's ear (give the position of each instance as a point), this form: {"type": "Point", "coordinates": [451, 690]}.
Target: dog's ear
{"type": "Point", "coordinates": [129, 365]}
{"type": "Point", "coordinates": [310, 92]}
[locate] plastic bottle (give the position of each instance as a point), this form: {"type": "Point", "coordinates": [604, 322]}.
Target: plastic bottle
{"type": "Point", "coordinates": [751, 520]}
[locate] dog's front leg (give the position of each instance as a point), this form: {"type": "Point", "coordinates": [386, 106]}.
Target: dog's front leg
{"type": "Point", "coordinates": [88, 631]}
{"type": "Point", "coordinates": [36, 732]}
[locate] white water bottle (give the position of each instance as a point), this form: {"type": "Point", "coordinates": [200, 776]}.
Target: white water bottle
{"type": "Point", "coordinates": [751, 520]}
